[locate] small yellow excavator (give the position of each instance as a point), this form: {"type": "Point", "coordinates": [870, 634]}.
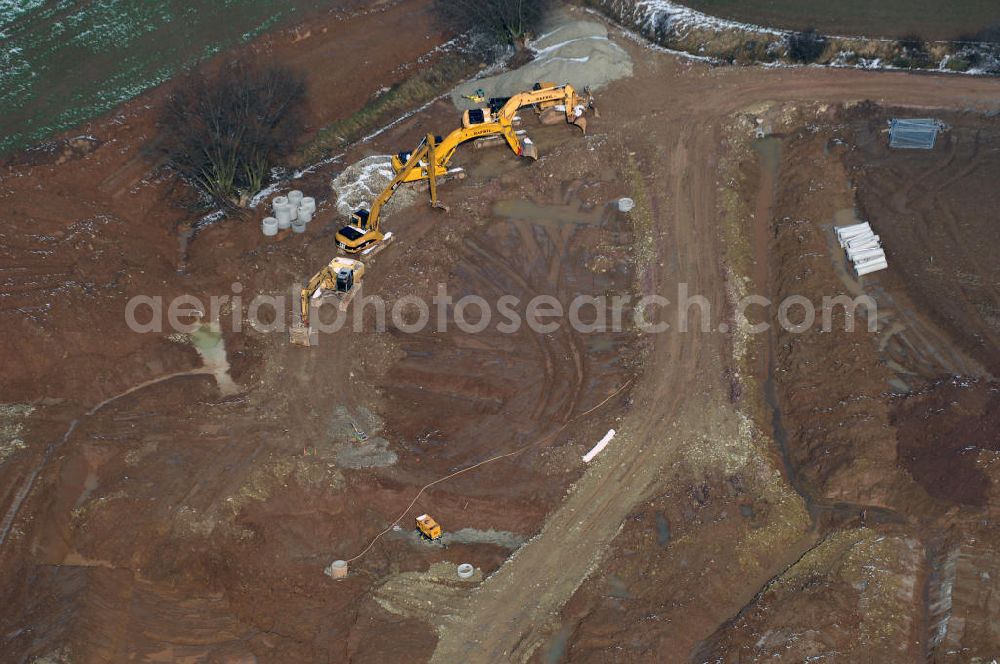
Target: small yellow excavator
{"type": "Point", "coordinates": [340, 278]}
{"type": "Point", "coordinates": [364, 233]}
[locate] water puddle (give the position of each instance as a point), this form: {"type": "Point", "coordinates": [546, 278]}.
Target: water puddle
{"type": "Point", "coordinates": [555, 650]}
{"type": "Point", "coordinates": [769, 158]}
{"type": "Point", "coordinates": [211, 346]}
{"type": "Point", "coordinates": [662, 529]}
{"type": "Point", "coordinates": [90, 484]}
{"type": "Point", "coordinates": [617, 588]}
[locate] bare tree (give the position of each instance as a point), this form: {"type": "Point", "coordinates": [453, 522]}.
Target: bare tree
{"type": "Point", "coordinates": [806, 46]}
{"type": "Point", "coordinates": [223, 132]}
{"type": "Point", "coordinates": [503, 21]}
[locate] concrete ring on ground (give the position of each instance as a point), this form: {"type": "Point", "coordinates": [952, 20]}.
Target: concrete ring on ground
{"type": "Point", "coordinates": [283, 213]}
{"type": "Point", "coordinates": [466, 571]}
{"type": "Point", "coordinates": [338, 569]}
{"type": "Point", "coordinates": [625, 204]}
{"type": "Point", "coordinates": [269, 226]}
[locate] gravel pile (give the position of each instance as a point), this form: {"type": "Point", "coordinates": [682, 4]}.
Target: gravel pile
{"type": "Point", "coordinates": [575, 52]}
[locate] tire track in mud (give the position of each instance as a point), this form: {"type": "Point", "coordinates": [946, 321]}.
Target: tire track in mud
{"type": "Point", "coordinates": [55, 446]}
{"type": "Point", "coordinates": [529, 590]}
{"type": "Point", "coordinates": [521, 598]}
{"type": "Point", "coordinates": [565, 411]}
{"type": "Point", "coordinates": [540, 342]}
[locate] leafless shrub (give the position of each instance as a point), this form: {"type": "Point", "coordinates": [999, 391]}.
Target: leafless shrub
{"type": "Point", "coordinates": [224, 131]}
{"type": "Point", "coordinates": [503, 21]}
{"type": "Point", "coordinates": [806, 46]}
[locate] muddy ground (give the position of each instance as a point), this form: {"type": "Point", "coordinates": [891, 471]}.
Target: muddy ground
{"type": "Point", "coordinates": [767, 495]}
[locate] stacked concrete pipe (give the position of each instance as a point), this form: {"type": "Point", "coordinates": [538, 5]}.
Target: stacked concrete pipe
{"type": "Point", "coordinates": [292, 211]}
{"type": "Point", "coordinates": [863, 248]}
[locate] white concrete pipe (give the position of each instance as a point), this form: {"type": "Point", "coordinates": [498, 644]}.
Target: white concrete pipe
{"type": "Point", "coordinates": [855, 254]}
{"type": "Point", "coordinates": [870, 259]}
{"type": "Point", "coordinates": [863, 244]}
{"type": "Point", "coordinates": [860, 240]}
{"type": "Point", "coordinates": [269, 226]}
{"type": "Point", "coordinates": [295, 198]}
{"type": "Point", "coordinates": [846, 234]}
{"type": "Point", "coordinates": [847, 239]}
{"type": "Point", "coordinates": [862, 247]}
{"type": "Point", "coordinates": [868, 268]}
{"type": "Point", "coordinates": [848, 230]}
{"type": "Point", "coordinates": [466, 571]}
{"type": "Point", "coordinates": [863, 237]}
{"type": "Point", "coordinates": [625, 204]}
{"type": "Point", "coordinates": [866, 255]}
{"type": "Point", "coordinates": [278, 202]}
{"type": "Point", "coordinates": [308, 203]}
{"type": "Point", "coordinates": [283, 213]}
{"type": "Point", "coordinates": [305, 216]}
{"type": "Point", "coordinates": [298, 226]}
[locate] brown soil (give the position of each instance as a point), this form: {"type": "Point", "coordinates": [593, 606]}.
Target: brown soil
{"type": "Point", "coordinates": [948, 435]}
{"type": "Point", "coordinates": [177, 523]}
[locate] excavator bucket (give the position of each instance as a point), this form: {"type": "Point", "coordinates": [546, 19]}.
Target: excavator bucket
{"type": "Point", "coordinates": [299, 335]}
{"type": "Point", "coordinates": [529, 150]}
{"type": "Point", "coordinates": [581, 122]}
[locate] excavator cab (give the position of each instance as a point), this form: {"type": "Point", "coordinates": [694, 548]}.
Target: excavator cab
{"type": "Point", "coordinates": [345, 280]}
{"type": "Point", "coordinates": [338, 278]}
{"type": "Point", "coordinates": [476, 116]}
{"type": "Point", "coordinates": [352, 239]}
{"type": "Point", "coordinates": [400, 158]}
{"type": "Point", "coordinates": [358, 235]}
{"type": "Point", "coordinates": [360, 218]}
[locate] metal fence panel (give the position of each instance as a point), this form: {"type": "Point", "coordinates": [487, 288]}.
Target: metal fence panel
{"type": "Point", "coordinates": [913, 134]}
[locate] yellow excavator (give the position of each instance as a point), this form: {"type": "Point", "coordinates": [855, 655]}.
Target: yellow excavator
{"type": "Point", "coordinates": [550, 101]}
{"type": "Point", "coordinates": [364, 232]}
{"type": "Point", "coordinates": [340, 278]}
{"type": "Point", "coordinates": [445, 150]}
{"type": "Point", "coordinates": [497, 122]}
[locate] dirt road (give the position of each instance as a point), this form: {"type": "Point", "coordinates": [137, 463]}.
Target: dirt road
{"type": "Point", "coordinates": [671, 114]}
{"type": "Point", "coordinates": [182, 522]}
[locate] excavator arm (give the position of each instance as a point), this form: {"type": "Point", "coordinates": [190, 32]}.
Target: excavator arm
{"type": "Point", "coordinates": [574, 105]}
{"type": "Point", "coordinates": [497, 121]}
{"type": "Point", "coordinates": [446, 147]}
{"type": "Point", "coordinates": [365, 228]}
{"type": "Point", "coordinates": [324, 278]}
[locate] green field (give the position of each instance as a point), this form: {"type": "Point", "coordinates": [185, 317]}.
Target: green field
{"type": "Point", "coordinates": [931, 19]}
{"type": "Point", "coordinates": [65, 61]}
